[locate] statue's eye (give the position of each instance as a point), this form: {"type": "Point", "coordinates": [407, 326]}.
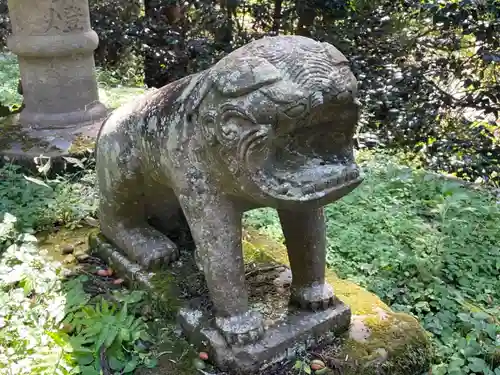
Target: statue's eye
{"type": "Point", "coordinates": [230, 130]}
{"type": "Point", "coordinates": [208, 119]}
{"type": "Point", "coordinates": [232, 123]}
{"type": "Point", "coordinates": [296, 110]}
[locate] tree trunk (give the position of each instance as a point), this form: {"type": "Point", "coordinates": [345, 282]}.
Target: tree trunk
{"type": "Point", "coordinates": [277, 16]}
{"type": "Point", "coordinates": [224, 35]}
{"type": "Point", "coordinates": [307, 15]}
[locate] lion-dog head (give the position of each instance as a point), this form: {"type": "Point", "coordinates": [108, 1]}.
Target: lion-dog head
{"type": "Point", "coordinates": [279, 115]}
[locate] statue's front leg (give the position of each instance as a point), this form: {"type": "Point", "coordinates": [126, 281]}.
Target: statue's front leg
{"type": "Point", "coordinates": [215, 225]}
{"type": "Point", "coordinates": [305, 236]}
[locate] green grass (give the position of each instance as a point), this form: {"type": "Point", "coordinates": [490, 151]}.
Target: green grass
{"type": "Point", "coordinates": [38, 203]}
{"type": "Point", "coordinates": [51, 325]}
{"type": "Point", "coordinates": [426, 246]}
{"type": "Point", "coordinates": [9, 76]}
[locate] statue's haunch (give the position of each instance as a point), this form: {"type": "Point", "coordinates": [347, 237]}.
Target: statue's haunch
{"type": "Point", "coordinates": [271, 124]}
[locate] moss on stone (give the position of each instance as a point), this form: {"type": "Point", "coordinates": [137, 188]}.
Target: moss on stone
{"type": "Point", "coordinates": [12, 135]}
{"type": "Point", "coordinates": [165, 298]}
{"type": "Point", "coordinates": [257, 247]}
{"type": "Point", "coordinates": [394, 343]}
{"type": "Point", "coordinates": [81, 144]}
{"type": "Point", "coordinates": [54, 241]}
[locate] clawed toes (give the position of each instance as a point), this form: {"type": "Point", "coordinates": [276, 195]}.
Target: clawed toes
{"type": "Point", "coordinates": [241, 329]}
{"type": "Point", "coordinates": [158, 258]}
{"type": "Point", "coordinates": [314, 298]}
{"type": "Point", "coordinates": [317, 305]}
{"type": "Point", "coordinates": [246, 338]}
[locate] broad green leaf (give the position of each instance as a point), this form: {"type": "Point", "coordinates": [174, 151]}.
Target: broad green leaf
{"type": "Point", "coordinates": [122, 316]}
{"type": "Point", "coordinates": [115, 363]}
{"type": "Point", "coordinates": [130, 365]}
{"type": "Point", "coordinates": [85, 359]}
{"type": "Point", "coordinates": [111, 336]}
{"type": "Point", "coordinates": [477, 364]}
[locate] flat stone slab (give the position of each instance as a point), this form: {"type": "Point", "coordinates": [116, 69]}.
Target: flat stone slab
{"type": "Point", "coordinates": [295, 333]}
{"type": "Point", "coordinates": [32, 148]}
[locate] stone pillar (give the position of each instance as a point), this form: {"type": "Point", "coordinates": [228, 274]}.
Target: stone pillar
{"type": "Point", "coordinates": [54, 42]}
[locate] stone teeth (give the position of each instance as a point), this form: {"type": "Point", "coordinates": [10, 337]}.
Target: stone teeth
{"type": "Point", "coordinates": [319, 161]}
{"type": "Point", "coordinates": [340, 179]}
{"type": "Point", "coordinates": [322, 185]}
{"type": "Point", "coordinates": [308, 189]}
{"type": "Point", "coordinates": [332, 182]}
{"type": "Point", "coordinates": [284, 189]}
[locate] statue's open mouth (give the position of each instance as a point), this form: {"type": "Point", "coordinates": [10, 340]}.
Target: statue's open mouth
{"type": "Point", "coordinates": [308, 165]}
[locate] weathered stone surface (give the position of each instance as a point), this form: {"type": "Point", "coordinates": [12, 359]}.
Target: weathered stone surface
{"type": "Point", "coordinates": [379, 341]}
{"type": "Point", "coordinates": [269, 125]}
{"type": "Point", "coordinates": [281, 341]}
{"type": "Point", "coordinates": [32, 148]}
{"type": "Point", "coordinates": [54, 43]}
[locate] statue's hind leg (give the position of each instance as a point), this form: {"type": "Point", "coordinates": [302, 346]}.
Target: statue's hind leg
{"type": "Point", "coordinates": [122, 213]}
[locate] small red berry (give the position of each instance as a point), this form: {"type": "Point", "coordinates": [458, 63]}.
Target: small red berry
{"type": "Point", "coordinates": [102, 272]}
{"type": "Point", "coordinates": [203, 356]}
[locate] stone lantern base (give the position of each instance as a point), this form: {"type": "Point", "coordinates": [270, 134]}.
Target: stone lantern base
{"type": "Point", "coordinates": [32, 147]}
{"type": "Point", "coordinates": [55, 44]}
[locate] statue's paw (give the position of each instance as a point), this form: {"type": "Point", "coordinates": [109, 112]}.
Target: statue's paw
{"type": "Point", "coordinates": [158, 254]}
{"type": "Point", "coordinates": [315, 297]}
{"type": "Point", "coordinates": [241, 329]}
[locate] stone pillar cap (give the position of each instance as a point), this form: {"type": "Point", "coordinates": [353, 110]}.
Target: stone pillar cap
{"type": "Point", "coordinates": [53, 45]}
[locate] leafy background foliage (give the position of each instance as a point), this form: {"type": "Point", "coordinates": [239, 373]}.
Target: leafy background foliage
{"type": "Point", "coordinates": [10, 99]}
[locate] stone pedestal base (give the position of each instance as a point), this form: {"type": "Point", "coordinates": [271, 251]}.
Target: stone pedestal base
{"type": "Point", "coordinates": [59, 122]}
{"type": "Point", "coordinates": [178, 292]}
{"type": "Point", "coordinates": [378, 341]}
{"type": "Point", "coordinates": [297, 332]}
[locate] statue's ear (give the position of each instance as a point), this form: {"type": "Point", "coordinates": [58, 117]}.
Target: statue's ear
{"type": "Point", "coordinates": [239, 75]}
{"type": "Point", "coordinates": [336, 56]}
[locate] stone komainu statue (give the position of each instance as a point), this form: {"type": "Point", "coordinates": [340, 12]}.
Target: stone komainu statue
{"type": "Point", "coordinates": [271, 124]}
